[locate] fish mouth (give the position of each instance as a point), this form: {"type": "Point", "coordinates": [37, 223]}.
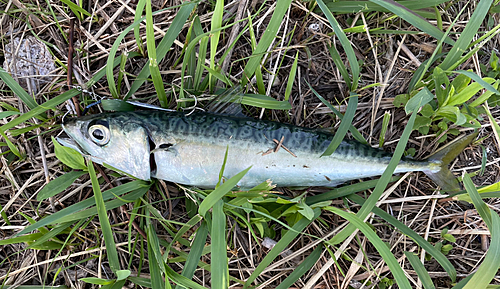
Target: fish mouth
{"type": "Point", "coordinates": [69, 142]}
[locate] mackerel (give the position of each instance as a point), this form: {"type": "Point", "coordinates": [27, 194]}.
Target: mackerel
{"type": "Point", "coordinates": [190, 150]}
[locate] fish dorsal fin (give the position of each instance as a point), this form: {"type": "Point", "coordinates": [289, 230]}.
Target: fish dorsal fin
{"type": "Point", "coordinates": [228, 101]}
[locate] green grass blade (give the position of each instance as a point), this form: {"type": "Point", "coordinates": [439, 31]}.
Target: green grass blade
{"type": "Point", "coordinates": [413, 18]}
{"type": "Point", "coordinates": [467, 35]}
{"type": "Point", "coordinates": [355, 133]}
{"type": "Point", "coordinates": [489, 267]}
{"type": "Point", "coordinates": [428, 247]}
{"type": "Point", "coordinates": [52, 103]}
{"type": "Point", "coordinates": [138, 15]}
{"type": "Point", "coordinates": [386, 176]}
{"type": "Point", "coordinates": [183, 281]}
{"type": "Point", "coordinates": [375, 240]}
{"type": "Point", "coordinates": [291, 77]}
{"type": "Point", "coordinates": [165, 44]}
{"type": "Point", "coordinates": [339, 63]}
{"type": "Point", "coordinates": [154, 267]}
{"type": "Point", "coordinates": [351, 56]}
{"type": "Point", "coordinates": [109, 240]}
{"type": "Point", "coordinates": [218, 193]}
{"type": "Point", "coordinates": [344, 125]}
{"type": "Point", "coordinates": [481, 206]}
{"type": "Point", "coordinates": [420, 270]}
{"type": "Point", "coordinates": [51, 234]}
{"type": "Point", "coordinates": [344, 191]}
{"type": "Point", "coordinates": [281, 246]}
{"type": "Point", "coordinates": [266, 39]}
{"type": "Point", "coordinates": [186, 227]}
{"type": "Point", "coordinates": [154, 70]}
{"type": "Point", "coordinates": [216, 23]}
{"type": "Point", "coordinates": [479, 80]}
{"type": "Point", "coordinates": [264, 101]}
{"type": "Point", "coordinates": [219, 260]}
{"type": "Point", "coordinates": [367, 6]}
{"type": "Point", "coordinates": [195, 253]}
{"type": "Point", "coordinates": [76, 9]}
{"type": "Point", "coordinates": [59, 217]}
{"type": "Point", "coordinates": [17, 89]}
{"type": "Point", "coordinates": [11, 146]}
{"type": "Point", "coordinates": [128, 198]}
{"type": "Point", "coordinates": [301, 269]}
{"type": "Point", "coordinates": [21, 239]}
{"type": "Point", "coordinates": [58, 185]}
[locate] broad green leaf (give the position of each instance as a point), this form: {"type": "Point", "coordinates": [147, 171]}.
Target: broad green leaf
{"type": "Point", "coordinates": [69, 156]}
{"type": "Point", "coordinates": [485, 96]}
{"type": "Point", "coordinates": [440, 80]}
{"type": "Point", "coordinates": [468, 92]}
{"type": "Point", "coordinates": [97, 281]}
{"type": "Point", "coordinates": [419, 100]}
{"type": "Point", "coordinates": [485, 82]}
{"type": "Point", "coordinates": [58, 185]}
{"type": "Point", "coordinates": [122, 274]}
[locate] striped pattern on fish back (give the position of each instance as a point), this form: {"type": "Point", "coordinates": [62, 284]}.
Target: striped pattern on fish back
{"type": "Point", "coordinates": [221, 129]}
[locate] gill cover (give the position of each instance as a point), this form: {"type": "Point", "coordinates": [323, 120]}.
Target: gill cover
{"type": "Point", "coordinates": [113, 140]}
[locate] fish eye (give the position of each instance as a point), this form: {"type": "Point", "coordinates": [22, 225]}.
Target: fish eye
{"type": "Point", "coordinates": [99, 134]}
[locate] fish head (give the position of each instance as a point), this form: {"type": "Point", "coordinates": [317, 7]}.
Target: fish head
{"type": "Point", "coordinates": [111, 139]}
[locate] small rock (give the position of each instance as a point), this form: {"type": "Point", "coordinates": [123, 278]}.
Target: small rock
{"type": "Point", "coordinates": [29, 59]}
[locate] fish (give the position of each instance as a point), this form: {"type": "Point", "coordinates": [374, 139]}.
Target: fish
{"type": "Point", "coordinates": [191, 149]}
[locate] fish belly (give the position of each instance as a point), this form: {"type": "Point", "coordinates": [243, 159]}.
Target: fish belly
{"type": "Point", "coordinates": [200, 165]}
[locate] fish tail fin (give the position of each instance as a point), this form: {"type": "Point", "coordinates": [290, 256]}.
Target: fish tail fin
{"type": "Point", "coordinates": [440, 160]}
